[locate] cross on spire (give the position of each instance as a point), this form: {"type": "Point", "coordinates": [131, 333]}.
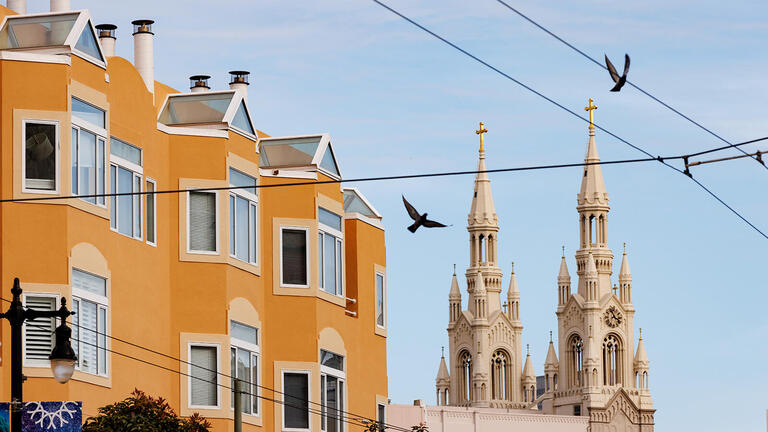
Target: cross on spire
{"type": "Point", "coordinates": [442, 348]}
{"type": "Point", "coordinates": [590, 108]}
{"type": "Point", "coordinates": [480, 132]}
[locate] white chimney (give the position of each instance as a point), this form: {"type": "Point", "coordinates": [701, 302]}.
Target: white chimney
{"type": "Point", "coordinates": [59, 5]}
{"type": "Point", "coordinates": [199, 83]}
{"type": "Point", "coordinates": [143, 52]}
{"type": "Point", "coordinates": [239, 81]}
{"type": "Point", "coordinates": [18, 6]}
{"type": "Point", "coordinates": [107, 38]}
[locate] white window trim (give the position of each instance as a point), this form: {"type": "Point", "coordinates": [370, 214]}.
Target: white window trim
{"type": "Point", "coordinates": [85, 124]}
{"type": "Point", "coordinates": [308, 373]}
{"type": "Point", "coordinates": [137, 171]}
{"type": "Point", "coordinates": [253, 200]}
{"type": "Point", "coordinates": [383, 302]}
{"type": "Point", "coordinates": [308, 258]}
{"type": "Point", "coordinates": [57, 150]}
{"type": "Point", "coordinates": [102, 134]}
{"type": "Point", "coordinates": [35, 362]}
{"type": "Point", "coordinates": [323, 228]}
{"type": "Point", "coordinates": [154, 211]}
{"type": "Point", "coordinates": [216, 213]}
{"type": "Point", "coordinates": [254, 350]}
{"type": "Point", "coordinates": [102, 302]}
{"type": "Point", "coordinates": [341, 376]}
{"type": "Point", "coordinates": [218, 375]}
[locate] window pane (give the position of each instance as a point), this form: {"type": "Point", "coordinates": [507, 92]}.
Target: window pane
{"type": "Point", "coordinates": [294, 257]}
{"type": "Point", "coordinates": [88, 325]}
{"type": "Point", "coordinates": [124, 202]}
{"type": "Point", "coordinates": [237, 178]}
{"type": "Point", "coordinates": [87, 165]}
{"type": "Point", "coordinates": [76, 331]}
{"type": "Point", "coordinates": [87, 112]}
{"type": "Point", "coordinates": [331, 360]}
{"type": "Point", "coordinates": [88, 282]}
{"type": "Point", "coordinates": [296, 408]}
{"type": "Point", "coordinates": [232, 368]}
{"type": "Point", "coordinates": [150, 213]}
{"type": "Point", "coordinates": [380, 300]}
{"type": "Point", "coordinates": [87, 43]}
{"type": "Point", "coordinates": [136, 207]}
{"type": "Point", "coordinates": [100, 171]}
{"type": "Point", "coordinates": [102, 337]}
{"type": "Point", "coordinates": [41, 31]}
{"type": "Point", "coordinates": [124, 150]}
{"type": "Point", "coordinates": [203, 380]}
{"type": "Point", "coordinates": [232, 226]}
{"type": "Point", "coordinates": [339, 266]}
{"type": "Point", "coordinates": [328, 218]}
{"type": "Point", "coordinates": [241, 222]}
{"type": "Point", "coordinates": [253, 232]}
{"type": "Point", "coordinates": [243, 332]}
{"type": "Point", "coordinates": [40, 156]}
{"type": "Point", "coordinates": [321, 277]}
{"type": "Point", "coordinates": [382, 416]}
{"type": "Point", "coordinates": [329, 263]}
{"type": "Point", "coordinates": [113, 199]}
{"type": "Point", "coordinates": [241, 119]}
{"type": "Point", "coordinates": [255, 384]}
{"type": "Point", "coordinates": [243, 373]}
{"type": "Point", "coordinates": [331, 403]}
{"type": "Point", "coordinates": [195, 108]}
{"type": "Point", "coordinates": [202, 221]}
{"type": "Point", "coordinates": [74, 151]}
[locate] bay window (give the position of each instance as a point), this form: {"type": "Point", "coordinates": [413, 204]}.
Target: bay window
{"type": "Point", "coordinates": [88, 151]}
{"type": "Point", "coordinates": [330, 252]}
{"type": "Point", "coordinates": [125, 172]}
{"type": "Point", "coordinates": [243, 218]}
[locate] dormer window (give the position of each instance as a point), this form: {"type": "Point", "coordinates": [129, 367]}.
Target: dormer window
{"type": "Point", "coordinates": [223, 108]}
{"type": "Point", "coordinates": [312, 152]}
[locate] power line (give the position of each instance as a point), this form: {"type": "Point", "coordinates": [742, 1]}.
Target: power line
{"type": "Point", "coordinates": [559, 105]}
{"type": "Point", "coordinates": [588, 57]}
{"type": "Point", "coordinates": [346, 414]}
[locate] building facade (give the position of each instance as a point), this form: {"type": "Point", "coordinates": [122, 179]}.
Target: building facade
{"type": "Point", "coordinates": [592, 370]}
{"type": "Point", "coordinates": [283, 287]}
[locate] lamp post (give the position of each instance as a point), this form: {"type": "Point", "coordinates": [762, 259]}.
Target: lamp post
{"type": "Point", "coordinates": [62, 357]}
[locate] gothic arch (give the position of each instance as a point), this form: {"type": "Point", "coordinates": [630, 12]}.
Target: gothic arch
{"type": "Point", "coordinates": [464, 375]}
{"type": "Point", "coordinates": [501, 375]}
{"type": "Point", "coordinates": [575, 361]}
{"type": "Point", "coordinates": [613, 360]}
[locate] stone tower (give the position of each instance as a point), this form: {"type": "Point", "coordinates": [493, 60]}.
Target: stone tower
{"type": "Point", "coordinates": [597, 374]}
{"type": "Point", "coordinates": [484, 340]}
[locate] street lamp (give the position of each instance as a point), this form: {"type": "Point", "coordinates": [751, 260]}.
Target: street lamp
{"type": "Point", "coordinates": [62, 357]}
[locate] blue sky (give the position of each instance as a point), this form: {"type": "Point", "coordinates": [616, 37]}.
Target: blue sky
{"type": "Point", "coordinates": [396, 101]}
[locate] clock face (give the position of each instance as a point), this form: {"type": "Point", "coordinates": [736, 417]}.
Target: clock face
{"type": "Point", "coordinates": [613, 317]}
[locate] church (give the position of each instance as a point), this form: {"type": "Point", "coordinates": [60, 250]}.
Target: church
{"type": "Point", "coordinates": [591, 370]}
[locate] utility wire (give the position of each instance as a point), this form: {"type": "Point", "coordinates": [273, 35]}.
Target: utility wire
{"type": "Point", "coordinates": [588, 57]}
{"type": "Point", "coordinates": [348, 415]}
{"type": "Point", "coordinates": [573, 113]}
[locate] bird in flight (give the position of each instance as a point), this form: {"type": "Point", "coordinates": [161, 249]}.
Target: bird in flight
{"type": "Point", "coordinates": [419, 219]}
{"type": "Point", "coordinates": [619, 80]}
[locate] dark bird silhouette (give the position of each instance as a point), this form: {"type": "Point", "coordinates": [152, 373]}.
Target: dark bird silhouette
{"type": "Point", "coordinates": [420, 219]}
{"type": "Point", "coordinates": [619, 80]}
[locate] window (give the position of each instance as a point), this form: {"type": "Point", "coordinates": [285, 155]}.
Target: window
{"type": "Point", "coordinates": [203, 380]}
{"type": "Point", "coordinates": [88, 151]}
{"type": "Point", "coordinates": [380, 300]}
{"type": "Point", "coordinates": [465, 368]}
{"type": "Point", "coordinates": [381, 414]}
{"type": "Point", "coordinates": [332, 391]}
{"type": "Point", "coordinates": [575, 362]}
{"type": "Point", "coordinates": [296, 400]}
{"type": "Point", "coordinates": [245, 363]}
{"type": "Point", "coordinates": [38, 333]}
{"type": "Point", "coordinates": [201, 222]}
{"type": "Point", "coordinates": [243, 218]}
{"type": "Point", "coordinates": [501, 376]}
{"type": "Point", "coordinates": [125, 172]}
{"type": "Point", "coordinates": [330, 252]}
{"type": "Point", "coordinates": [294, 269]}
{"type": "Point", "coordinates": [612, 360]}
{"type": "Point", "coordinates": [41, 155]}
{"type": "Point", "coordinates": [151, 212]}
{"type": "Point", "coordinates": [89, 332]}
{"type": "Point", "coordinates": [577, 410]}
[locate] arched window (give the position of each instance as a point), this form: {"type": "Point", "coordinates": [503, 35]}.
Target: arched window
{"type": "Point", "coordinates": [501, 376]}
{"type": "Point", "coordinates": [465, 376]}
{"type": "Point", "coordinates": [612, 355]}
{"type": "Point", "coordinates": [483, 250]}
{"type": "Point", "coordinates": [575, 361]}
{"type": "Point", "coordinates": [645, 380]}
{"type": "Point", "coordinates": [554, 382]}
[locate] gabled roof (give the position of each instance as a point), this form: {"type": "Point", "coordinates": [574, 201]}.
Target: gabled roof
{"type": "Point", "coordinates": [225, 108]}
{"type": "Point", "coordinates": [299, 151]}
{"type": "Point", "coordinates": [35, 32]}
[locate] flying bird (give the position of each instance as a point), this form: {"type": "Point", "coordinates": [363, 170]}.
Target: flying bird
{"type": "Point", "coordinates": [420, 219]}
{"type": "Point", "coordinates": [619, 80]}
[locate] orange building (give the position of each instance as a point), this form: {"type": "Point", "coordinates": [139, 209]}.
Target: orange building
{"type": "Point", "coordinates": [283, 287]}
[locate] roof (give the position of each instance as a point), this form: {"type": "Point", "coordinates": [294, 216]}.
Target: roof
{"type": "Point", "coordinates": [355, 202]}
{"type": "Point", "coordinates": [563, 275]}
{"type": "Point", "coordinates": [442, 372]}
{"type": "Point", "coordinates": [551, 355]}
{"type": "Point", "coordinates": [71, 29]}
{"type": "Point", "coordinates": [528, 368]}
{"type": "Point", "coordinates": [225, 108]}
{"type": "Point", "coordinates": [624, 273]}
{"type": "Point", "coordinates": [483, 211]}
{"type": "Point", "coordinates": [592, 184]}
{"type": "Point", "coordinates": [299, 151]}
{"type": "Point", "coordinates": [455, 292]}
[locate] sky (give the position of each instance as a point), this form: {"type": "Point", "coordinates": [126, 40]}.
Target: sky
{"type": "Point", "coordinates": [397, 101]}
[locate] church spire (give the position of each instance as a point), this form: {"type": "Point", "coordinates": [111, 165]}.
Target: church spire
{"type": "Point", "coordinates": [442, 381]}
{"type": "Point", "coordinates": [482, 212]}
{"type": "Point", "coordinates": [641, 364]}
{"type": "Point", "coordinates": [513, 297]}
{"type": "Point", "coordinates": [454, 300]}
{"type": "Point", "coordinates": [625, 279]}
{"type": "Point", "coordinates": [563, 282]}
{"type": "Point", "coordinates": [592, 184]}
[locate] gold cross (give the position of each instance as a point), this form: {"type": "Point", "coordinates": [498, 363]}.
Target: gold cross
{"type": "Point", "coordinates": [480, 132]}
{"type": "Point", "coordinates": [591, 108]}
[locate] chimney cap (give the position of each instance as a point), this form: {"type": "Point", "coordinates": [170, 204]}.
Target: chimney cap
{"type": "Point", "coordinates": [106, 30]}
{"type": "Point", "coordinates": [142, 26]}
{"type": "Point", "coordinates": [239, 77]}
{"type": "Point", "coordinates": [199, 81]}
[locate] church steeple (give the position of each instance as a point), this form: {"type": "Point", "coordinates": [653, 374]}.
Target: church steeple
{"type": "Point", "coordinates": [513, 297]}
{"type": "Point", "coordinates": [625, 280]}
{"type": "Point", "coordinates": [563, 283]}
{"type": "Point", "coordinates": [454, 300]}
{"type": "Point", "coordinates": [593, 207]}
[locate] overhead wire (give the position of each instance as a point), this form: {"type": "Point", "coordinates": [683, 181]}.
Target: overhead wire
{"type": "Point", "coordinates": [568, 110]}
{"type": "Point", "coordinates": [359, 419]}
{"type": "Point", "coordinates": [593, 60]}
